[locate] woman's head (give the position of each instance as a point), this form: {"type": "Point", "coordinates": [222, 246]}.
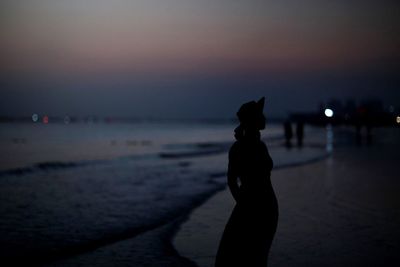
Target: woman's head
{"type": "Point", "coordinates": [251, 115]}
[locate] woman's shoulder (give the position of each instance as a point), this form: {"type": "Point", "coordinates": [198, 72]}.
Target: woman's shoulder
{"type": "Point", "coordinates": [235, 146]}
{"type": "Point", "coordinates": [264, 147]}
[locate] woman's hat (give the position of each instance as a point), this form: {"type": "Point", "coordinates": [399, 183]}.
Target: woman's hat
{"type": "Point", "coordinates": [250, 110]}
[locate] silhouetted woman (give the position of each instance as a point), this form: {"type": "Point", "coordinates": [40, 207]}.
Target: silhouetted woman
{"type": "Point", "coordinates": [248, 235]}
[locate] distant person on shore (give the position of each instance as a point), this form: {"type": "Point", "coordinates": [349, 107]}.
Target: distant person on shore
{"type": "Point", "coordinates": [287, 126]}
{"type": "Point", "coordinates": [248, 235]}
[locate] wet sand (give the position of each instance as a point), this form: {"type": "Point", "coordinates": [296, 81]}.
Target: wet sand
{"type": "Point", "coordinates": [150, 249]}
{"type": "Point", "coordinates": [341, 211]}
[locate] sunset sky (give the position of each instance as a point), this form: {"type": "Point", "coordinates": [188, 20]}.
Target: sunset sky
{"type": "Point", "coordinates": [187, 58]}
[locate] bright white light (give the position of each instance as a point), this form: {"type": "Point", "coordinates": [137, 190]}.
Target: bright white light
{"type": "Point", "coordinates": [398, 119]}
{"type": "Point", "coordinates": [329, 112]}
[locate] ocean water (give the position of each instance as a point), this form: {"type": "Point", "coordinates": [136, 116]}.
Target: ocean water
{"type": "Point", "coordinates": [69, 189]}
{"type": "Point", "coordinates": [29, 143]}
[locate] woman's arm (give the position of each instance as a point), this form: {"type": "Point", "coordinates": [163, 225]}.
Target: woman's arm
{"type": "Point", "coordinates": [233, 186]}
{"type": "Point", "coordinates": [233, 175]}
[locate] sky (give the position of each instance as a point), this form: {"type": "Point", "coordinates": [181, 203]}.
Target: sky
{"type": "Point", "coordinates": [190, 58]}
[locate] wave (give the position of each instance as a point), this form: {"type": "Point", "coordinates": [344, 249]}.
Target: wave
{"type": "Point", "coordinates": [46, 166]}
{"type": "Point", "coordinates": [170, 151]}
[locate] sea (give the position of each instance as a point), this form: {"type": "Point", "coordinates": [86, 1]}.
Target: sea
{"type": "Point", "coordinates": [66, 189]}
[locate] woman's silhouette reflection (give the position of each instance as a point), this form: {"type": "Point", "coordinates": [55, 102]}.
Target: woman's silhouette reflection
{"type": "Point", "coordinates": [249, 232]}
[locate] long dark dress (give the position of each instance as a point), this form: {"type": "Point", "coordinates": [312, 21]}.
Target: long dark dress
{"type": "Point", "coordinates": [252, 225]}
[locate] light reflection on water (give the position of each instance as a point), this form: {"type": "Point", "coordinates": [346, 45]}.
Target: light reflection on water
{"type": "Point", "coordinates": [329, 138]}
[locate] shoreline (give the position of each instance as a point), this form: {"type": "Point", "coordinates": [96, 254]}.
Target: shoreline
{"type": "Point", "coordinates": [155, 247]}
{"type": "Point", "coordinates": [160, 249]}
{"type": "Point", "coordinates": [162, 235]}
{"type": "Point", "coordinates": [150, 248]}
{"type": "Point", "coordinates": [191, 182]}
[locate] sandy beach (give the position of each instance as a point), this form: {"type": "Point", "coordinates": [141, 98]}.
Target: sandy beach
{"type": "Point", "coordinates": [340, 211]}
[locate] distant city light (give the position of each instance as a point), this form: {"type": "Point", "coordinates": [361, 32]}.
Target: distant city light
{"type": "Point", "coordinates": [398, 119]}
{"type": "Point", "coordinates": [46, 119]}
{"type": "Point", "coordinates": [35, 117]}
{"type": "Point", "coordinates": [329, 112]}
